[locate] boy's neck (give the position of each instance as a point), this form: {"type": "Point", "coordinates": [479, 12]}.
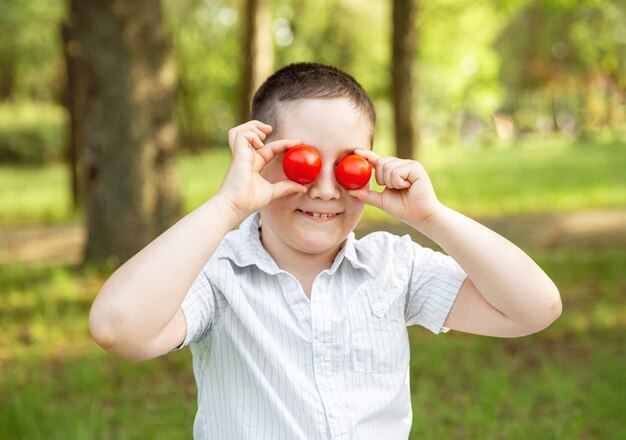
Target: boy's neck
{"type": "Point", "coordinates": [300, 264]}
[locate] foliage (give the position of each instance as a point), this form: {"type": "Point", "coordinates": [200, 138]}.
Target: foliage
{"type": "Point", "coordinates": [207, 39]}
{"type": "Point", "coordinates": [457, 73]}
{"type": "Point", "coordinates": [205, 43]}
{"type": "Point", "coordinates": [552, 65]}
{"type": "Point", "coordinates": [31, 63]}
{"type": "Point", "coordinates": [556, 56]}
{"type": "Point", "coordinates": [31, 133]}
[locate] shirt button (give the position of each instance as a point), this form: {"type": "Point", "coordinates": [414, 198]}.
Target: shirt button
{"type": "Point", "coordinates": [380, 307]}
{"type": "Point", "coordinates": [292, 285]}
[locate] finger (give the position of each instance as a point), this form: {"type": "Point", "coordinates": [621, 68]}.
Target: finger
{"type": "Point", "coordinates": [287, 187]}
{"type": "Point", "coordinates": [258, 127]}
{"type": "Point", "coordinates": [391, 171]}
{"type": "Point", "coordinates": [243, 140]}
{"type": "Point", "coordinates": [371, 157]}
{"type": "Point", "coordinates": [368, 196]}
{"type": "Point", "coordinates": [265, 128]}
{"type": "Point", "coordinates": [380, 169]}
{"type": "Point", "coordinates": [273, 149]}
{"type": "Point", "coordinates": [259, 133]}
{"type": "Point", "coordinates": [261, 129]}
{"type": "Point", "coordinates": [255, 141]}
{"type": "Point", "coordinates": [399, 177]}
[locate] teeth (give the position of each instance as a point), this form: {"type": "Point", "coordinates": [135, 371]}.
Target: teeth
{"type": "Point", "coordinates": [319, 215]}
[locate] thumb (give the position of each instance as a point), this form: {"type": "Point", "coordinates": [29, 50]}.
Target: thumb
{"type": "Point", "coordinates": [286, 187]}
{"type": "Point", "coordinates": [368, 196]}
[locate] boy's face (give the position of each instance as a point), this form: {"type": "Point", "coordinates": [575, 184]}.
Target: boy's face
{"type": "Point", "coordinates": [335, 128]}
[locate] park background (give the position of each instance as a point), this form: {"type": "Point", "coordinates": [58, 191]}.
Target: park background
{"type": "Point", "coordinates": [517, 110]}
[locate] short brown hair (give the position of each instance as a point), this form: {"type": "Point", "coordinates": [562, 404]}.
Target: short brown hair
{"type": "Point", "coordinates": [308, 81]}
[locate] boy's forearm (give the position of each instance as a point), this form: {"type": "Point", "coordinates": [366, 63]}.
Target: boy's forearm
{"type": "Point", "coordinates": [505, 276]}
{"type": "Point", "coordinates": [143, 295]}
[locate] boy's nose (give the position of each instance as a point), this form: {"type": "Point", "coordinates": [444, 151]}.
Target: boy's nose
{"type": "Point", "coordinates": [325, 187]}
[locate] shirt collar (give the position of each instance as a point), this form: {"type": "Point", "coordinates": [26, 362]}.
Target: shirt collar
{"type": "Point", "coordinates": [350, 252]}
{"type": "Point", "coordinates": [248, 250]}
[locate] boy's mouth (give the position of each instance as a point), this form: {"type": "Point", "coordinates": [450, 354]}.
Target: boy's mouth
{"type": "Point", "coordinates": [319, 215]}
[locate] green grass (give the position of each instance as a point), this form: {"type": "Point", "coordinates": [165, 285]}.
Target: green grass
{"type": "Point", "coordinates": [35, 195]}
{"type": "Point", "coordinates": [56, 384]}
{"type": "Point", "coordinates": [32, 195]}
{"type": "Point", "coordinates": [564, 383]}
{"type": "Point", "coordinates": [551, 177]}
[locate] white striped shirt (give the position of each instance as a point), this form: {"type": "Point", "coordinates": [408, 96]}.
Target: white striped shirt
{"type": "Point", "coordinates": [271, 363]}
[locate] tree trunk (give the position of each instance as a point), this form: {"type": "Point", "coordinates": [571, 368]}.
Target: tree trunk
{"type": "Point", "coordinates": [258, 51]}
{"type": "Point", "coordinates": [122, 95]}
{"type": "Point", "coordinates": [7, 78]}
{"type": "Point", "coordinates": [403, 78]}
{"type": "Point", "coordinates": [75, 138]}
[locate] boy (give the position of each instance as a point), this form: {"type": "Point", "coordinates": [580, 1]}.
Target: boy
{"type": "Point", "coordinates": [297, 329]}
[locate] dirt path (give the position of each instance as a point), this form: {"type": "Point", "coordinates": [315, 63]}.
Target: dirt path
{"type": "Point", "coordinates": [592, 229]}
{"type": "Point", "coordinates": [41, 244]}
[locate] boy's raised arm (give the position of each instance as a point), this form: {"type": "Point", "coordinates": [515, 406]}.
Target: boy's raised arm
{"type": "Point", "coordinates": [137, 314]}
{"type": "Point", "coordinates": [506, 293]}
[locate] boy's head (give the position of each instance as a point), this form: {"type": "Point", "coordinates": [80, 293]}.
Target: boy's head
{"type": "Point", "coordinates": [327, 109]}
{"type": "Point", "coordinates": [301, 81]}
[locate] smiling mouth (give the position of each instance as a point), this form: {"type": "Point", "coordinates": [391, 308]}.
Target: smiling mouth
{"type": "Point", "coordinates": [319, 215]}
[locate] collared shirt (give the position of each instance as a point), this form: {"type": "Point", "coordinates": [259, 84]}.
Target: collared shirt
{"type": "Point", "coordinates": [270, 363]}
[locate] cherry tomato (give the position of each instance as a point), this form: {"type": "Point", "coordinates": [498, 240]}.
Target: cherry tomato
{"type": "Point", "coordinates": [353, 172]}
{"type": "Point", "coordinates": [302, 164]}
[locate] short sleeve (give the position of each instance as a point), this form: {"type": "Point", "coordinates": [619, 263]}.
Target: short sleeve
{"type": "Point", "coordinates": [198, 308]}
{"type": "Point", "coordinates": [434, 283]}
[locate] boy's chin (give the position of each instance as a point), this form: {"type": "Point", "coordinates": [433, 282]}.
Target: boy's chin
{"type": "Point", "coordinates": [317, 245]}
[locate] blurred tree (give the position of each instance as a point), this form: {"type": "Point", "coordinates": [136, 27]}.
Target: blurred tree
{"type": "Point", "coordinates": [457, 74]}
{"type": "Point", "coordinates": [599, 35]}
{"type": "Point", "coordinates": [29, 56]}
{"type": "Point", "coordinates": [554, 51]}
{"type": "Point", "coordinates": [536, 56]}
{"type": "Point", "coordinates": [258, 47]}
{"type": "Point", "coordinates": [122, 99]}
{"type": "Point", "coordinates": [207, 50]}
{"type": "Point", "coordinates": [404, 42]}
{"type": "Point", "coordinates": [342, 33]}
{"type": "Point", "coordinates": [74, 85]}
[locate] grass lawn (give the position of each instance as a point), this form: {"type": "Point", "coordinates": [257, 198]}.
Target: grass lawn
{"type": "Point", "coordinates": [565, 383]}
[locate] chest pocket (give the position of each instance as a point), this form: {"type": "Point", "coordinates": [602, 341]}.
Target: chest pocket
{"type": "Point", "coordinates": [377, 330]}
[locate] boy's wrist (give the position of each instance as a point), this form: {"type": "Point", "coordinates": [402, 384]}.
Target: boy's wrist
{"type": "Point", "coordinates": [225, 209]}
{"type": "Point", "coordinates": [429, 225]}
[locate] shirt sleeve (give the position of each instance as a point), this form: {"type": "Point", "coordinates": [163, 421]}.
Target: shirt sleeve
{"type": "Point", "coordinates": [199, 309]}
{"type": "Point", "coordinates": [434, 284]}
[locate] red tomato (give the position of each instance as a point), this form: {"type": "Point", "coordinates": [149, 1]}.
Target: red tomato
{"type": "Point", "coordinates": [302, 164]}
{"type": "Point", "coordinates": [353, 172]}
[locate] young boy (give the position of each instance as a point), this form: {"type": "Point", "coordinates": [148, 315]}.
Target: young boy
{"type": "Point", "coordinates": [297, 329]}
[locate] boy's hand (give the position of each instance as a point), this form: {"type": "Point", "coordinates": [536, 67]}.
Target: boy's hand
{"type": "Point", "coordinates": [243, 188]}
{"type": "Point", "coordinates": [408, 195]}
